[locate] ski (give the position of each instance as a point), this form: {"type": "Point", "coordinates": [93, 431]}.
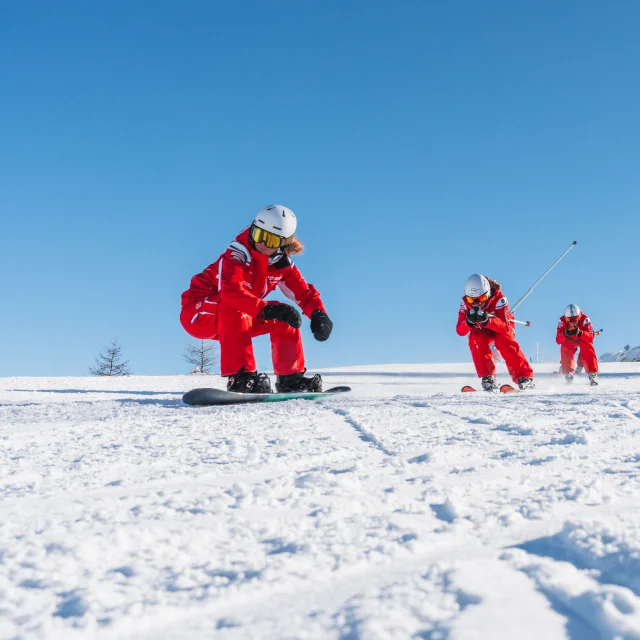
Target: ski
{"type": "Point", "coordinates": [505, 388]}
{"type": "Point", "coordinates": [214, 397]}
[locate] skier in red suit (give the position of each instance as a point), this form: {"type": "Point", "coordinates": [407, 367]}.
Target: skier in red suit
{"type": "Point", "coordinates": [226, 302]}
{"type": "Point", "coordinates": [574, 332]}
{"type": "Point", "coordinates": [485, 317]}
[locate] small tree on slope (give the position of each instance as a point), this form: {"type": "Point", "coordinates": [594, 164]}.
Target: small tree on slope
{"type": "Point", "coordinates": [203, 356]}
{"type": "Point", "coordinates": [109, 362]}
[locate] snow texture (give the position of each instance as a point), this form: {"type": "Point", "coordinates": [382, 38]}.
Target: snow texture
{"type": "Point", "coordinates": [630, 355]}
{"type": "Point", "coordinates": [403, 510]}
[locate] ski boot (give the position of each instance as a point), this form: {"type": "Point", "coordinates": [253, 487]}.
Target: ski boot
{"type": "Point", "coordinates": [489, 383]}
{"type": "Point", "coordinates": [297, 383]}
{"type": "Point", "coordinates": [249, 382]}
{"type": "Point", "coordinates": [593, 379]}
{"type": "Point", "coordinates": [568, 377]}
{"type": "Point", "coordinates": [526, 383]}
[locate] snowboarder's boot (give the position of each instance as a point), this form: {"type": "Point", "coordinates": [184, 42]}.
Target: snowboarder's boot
{"type": "Point", "coordinates": [249, 382]}
{"type": "Point", "coordinates": [525, 383]}
{"type": "Point", "coordinates": [489, 383]}
{"type": "Point", "coordinates": [568, 377]}
{"type": "Point", "coordinates": [297, 383]}
{"type": "Point", "coordinates": [593, 379]}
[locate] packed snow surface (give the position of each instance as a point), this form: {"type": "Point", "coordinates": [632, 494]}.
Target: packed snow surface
{"type": "Point", "coordinates": [402, 510]}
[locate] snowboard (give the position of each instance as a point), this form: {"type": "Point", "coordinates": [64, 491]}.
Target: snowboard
{"type": "Point", "coordinates": [505, 388]}
{"type": "Point", "coordinates": [213, 397]}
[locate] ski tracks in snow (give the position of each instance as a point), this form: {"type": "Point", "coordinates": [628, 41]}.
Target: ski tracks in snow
{"type": "Point", "coordinates": [126, 515]}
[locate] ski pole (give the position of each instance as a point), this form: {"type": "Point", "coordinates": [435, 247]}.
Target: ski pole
{"type": "Point", "coordinates": [526, 323]}
{"type": "Point", "coordinates": [535, 284]}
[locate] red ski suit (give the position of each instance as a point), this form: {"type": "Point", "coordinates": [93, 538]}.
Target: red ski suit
{"type": "Point", "coordinates": [569, 346]}
{"type": "Point", "coordinates": [498, 330]}
{"type": "Point", "coordinates": [224, 301]}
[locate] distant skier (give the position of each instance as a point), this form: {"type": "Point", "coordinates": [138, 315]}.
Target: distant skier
{"type": "Point", "coordinates": [485, 316]}
{"type": "Point", "coordinates": [576, 332]}
{"type": "Point", "coordinates": [226, 303]}
{"type": "Point", "coordinates": [580, 364]}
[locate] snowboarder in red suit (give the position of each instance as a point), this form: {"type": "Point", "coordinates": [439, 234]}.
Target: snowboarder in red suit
{"type": "Point", "coordinates": [485, 317]}
{"type": "Point", "coordinates": [226, 302]}
{"type": "Point", "coordinates": [574, 332]}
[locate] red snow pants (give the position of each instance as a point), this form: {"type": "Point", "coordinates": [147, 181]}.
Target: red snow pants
{"type": "Point", "coordinates": [480, 344]}
{"type": "Point", "coordinates": [235, 330]}
{"type": "Point", "coordinates": [587, 355]}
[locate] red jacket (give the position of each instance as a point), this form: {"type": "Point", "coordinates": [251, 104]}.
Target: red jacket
{"type": "Point", "coordinates": [584, 324]}
{"type": "Point", "coordinates": [497, 306]}
{"type": "Point", "coordinates": [243, 277]}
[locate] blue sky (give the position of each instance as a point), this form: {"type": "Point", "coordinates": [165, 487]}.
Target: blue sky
{"type": "Point", "coordinates": [417, 142]}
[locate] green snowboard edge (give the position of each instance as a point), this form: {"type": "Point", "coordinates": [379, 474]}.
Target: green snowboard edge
{"type": "Point", "coordinates": [206, 397]}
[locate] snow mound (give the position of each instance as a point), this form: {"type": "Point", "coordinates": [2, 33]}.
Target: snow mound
{"type": "Point", "coordinates": [630, 355]}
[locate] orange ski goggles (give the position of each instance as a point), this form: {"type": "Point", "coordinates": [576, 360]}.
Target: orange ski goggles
{"type": "Point", "coordinates": [573, 319]}
{"type": "Point", "coordinates": [479, 300]}
{"type": "Point", "coordinates": [271, 240]}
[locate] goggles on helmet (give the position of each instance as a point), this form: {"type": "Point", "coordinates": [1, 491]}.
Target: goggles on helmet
{"type": "Point", "coordinates": [572, 319]}
{"type": "Point", "coordinates": [477, 300]}
{"type": "Point", "coordinates": [271, 240]}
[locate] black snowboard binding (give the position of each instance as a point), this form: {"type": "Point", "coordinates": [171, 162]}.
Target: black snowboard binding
{"type": "Point", "coordinates": [526, 383]}
{"type": "Point", "coordinates": [249, 382]}
{"type": "Point", "coordinates": [298, 383]}
{"type": "Point", "coordinates": [489, 383]}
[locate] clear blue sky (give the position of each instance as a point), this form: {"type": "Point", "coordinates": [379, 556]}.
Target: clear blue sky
{"type": "Point", "coordinates": [417, 141]}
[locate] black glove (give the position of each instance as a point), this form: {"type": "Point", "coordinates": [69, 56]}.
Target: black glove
{"type": "Point", "coordinates": [573, 333]}
{"type": "Point", "coordinates": [476, 316]}
{"type": "Point", "coordinates": [321, 326]}
{"type": "Point", "coordinates": [482, 316]}
{"type": "Point", "coordinates": [284, 313]}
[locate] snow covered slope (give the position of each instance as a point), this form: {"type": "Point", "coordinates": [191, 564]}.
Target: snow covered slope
{"type": "Point", "coordinates": [405, 510]}
{"type": "Point", "coordinates": [631, 355]}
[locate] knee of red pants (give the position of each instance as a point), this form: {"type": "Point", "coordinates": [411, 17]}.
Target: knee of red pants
{"type": "Point", "coordinates": [568, 351]}
{"type": "Point", "coordinates": [481, 354]}
{"type": "Point", "coordinates": [588, 358]}
{"type": "Point", "coordinates": [236, 330]}
{"type": "Point", "coordinates": [282, 331]}
{"type": "Point", "coordinates": [198, 324]}
{"type": "Point", "coordinates": [517, 363]}
{"type": "Point", "coordinates": [567, 361]}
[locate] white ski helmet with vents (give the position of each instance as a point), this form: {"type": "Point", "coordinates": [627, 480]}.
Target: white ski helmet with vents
{"type": "Point", "coordinates": [476, 285]}
{"type": "Point", "coordinates": [277, 219]}
{"type": "Point", "coordinates": [572, 311]}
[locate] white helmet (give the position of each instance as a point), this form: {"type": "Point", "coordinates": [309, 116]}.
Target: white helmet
{"type": "Point", "coordinates": [572, 311]}
{"type": "Point", "coordinates": [476, 286]}
{"type": "Point", "coordinates": [277, 219]}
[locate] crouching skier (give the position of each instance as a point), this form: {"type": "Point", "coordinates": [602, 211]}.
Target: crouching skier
{"type": "Point", "coordinates": [576, 332]}
{"type": "Point", "coordinates": [226, 303]}
{"type": "Point", "coordinates": [485, 316]}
